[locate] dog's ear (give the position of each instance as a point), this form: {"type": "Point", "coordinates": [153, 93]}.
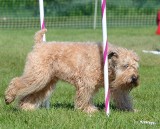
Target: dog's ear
{"type": "Point", "coordinates": [135, 56]}
{"type": "Point", "coordinates": [112, 55]}
{"type": "Point", "coordinates": [112, 59]}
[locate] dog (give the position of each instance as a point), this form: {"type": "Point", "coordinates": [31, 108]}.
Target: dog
{"type": "Point", "coordinates": [80, 64]}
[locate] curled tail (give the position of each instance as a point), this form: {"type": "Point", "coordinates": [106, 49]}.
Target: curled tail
{"type": "Point", "coordinates": [38, 38]}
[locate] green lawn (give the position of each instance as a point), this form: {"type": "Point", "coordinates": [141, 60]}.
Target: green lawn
{"type": "Point", "coordinates": [14, 46]}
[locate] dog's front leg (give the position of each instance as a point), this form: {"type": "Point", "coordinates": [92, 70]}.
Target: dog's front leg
{"type": "Point", "coordinates": [122, 99]}
{"type": "Point", "coordinates": [83, 99]}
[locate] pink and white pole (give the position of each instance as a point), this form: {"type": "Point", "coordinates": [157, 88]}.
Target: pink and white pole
{"type": "Point", "coordinates": [42, 23]}
{"type": "Point", "coordinates": [105, 56]}
{"type": "Point", "coordinates": [46, 104]}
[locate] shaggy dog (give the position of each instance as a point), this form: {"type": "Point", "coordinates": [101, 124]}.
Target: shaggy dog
{"type": "Point", "coordinates": [80, 64]}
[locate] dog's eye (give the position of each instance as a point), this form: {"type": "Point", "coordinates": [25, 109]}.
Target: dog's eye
{"type": "Point", "coordinates": [125, 66]}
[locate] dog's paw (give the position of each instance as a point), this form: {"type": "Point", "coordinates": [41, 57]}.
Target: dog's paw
{"type": "Point", "coordinates": [91, 109]}
{"type": "Point", "coordinates": [9, 100]}
{"type": "Point", "coordinates": [136, 110]}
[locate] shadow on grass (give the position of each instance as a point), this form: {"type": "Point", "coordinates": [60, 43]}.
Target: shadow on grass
{"type": "Point", "coordinates": [70, 106]}
{"type": "Point", "coordinates": [101, 106]}
{"type": "Point", "coordinates": [11, 109]}
{"type": "Point", "coordinates": [63, 105]}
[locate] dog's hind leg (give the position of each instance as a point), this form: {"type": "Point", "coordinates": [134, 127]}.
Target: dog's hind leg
{"type": "Point", "coordinates": [35, 100]}
{"type": "Point", "coordinates": [14, 86]}
{"type": "Point", "coordinates": [46, 103]}
{"type": "Point", "coordinates": [29, 83]}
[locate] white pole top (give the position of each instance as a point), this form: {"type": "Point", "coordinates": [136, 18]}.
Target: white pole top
{"type": "Point", "coordinates": [41, 9]}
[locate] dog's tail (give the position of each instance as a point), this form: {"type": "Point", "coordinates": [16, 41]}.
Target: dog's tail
{"type": "Point", "coordinates": [38, 38]}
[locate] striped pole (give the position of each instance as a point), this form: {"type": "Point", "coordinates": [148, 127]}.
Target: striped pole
{"type": "Point", "coordinates": [105, 56]}
{"type": "Point", "coordinates": [42, 23]}
{"type": "Point", "coordinates": [45, 104]}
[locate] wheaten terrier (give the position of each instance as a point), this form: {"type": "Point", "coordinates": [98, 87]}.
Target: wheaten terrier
{"type": "Point", "coordinates": [80, 64]}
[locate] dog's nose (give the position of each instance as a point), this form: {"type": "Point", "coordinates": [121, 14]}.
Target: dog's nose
{"type": "Point", "coordinates": [134, 78]}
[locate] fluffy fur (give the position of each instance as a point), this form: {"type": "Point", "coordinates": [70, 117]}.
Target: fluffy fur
{"type": "Point", "coordinates": [80, 64]}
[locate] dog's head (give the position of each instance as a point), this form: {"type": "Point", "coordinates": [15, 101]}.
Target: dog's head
{"type": "Point", "coordinates": [125, 65]}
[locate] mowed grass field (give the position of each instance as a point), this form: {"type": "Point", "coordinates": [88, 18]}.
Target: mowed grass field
{"type": "Point", "coordinates": [14, 46]}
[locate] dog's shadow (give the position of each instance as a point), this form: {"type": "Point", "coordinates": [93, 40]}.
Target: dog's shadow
{"type": "Point", "coordinates": [70, 106]}
{"type": "Point", "coordinates": [63, 105]}
{"type": "Point", "coordinates": [101, 106]}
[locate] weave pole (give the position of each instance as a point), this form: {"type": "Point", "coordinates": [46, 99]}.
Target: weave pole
{"type": "Point", "coordinates": [105, 55]}
{"type": "Point", "coordinates": [42, 23]}
{"type": "Point", "coordinates": [45, 104]}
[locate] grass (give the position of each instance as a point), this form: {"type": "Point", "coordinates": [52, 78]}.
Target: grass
{"type": "Point", "coordinates": [14, 46]}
